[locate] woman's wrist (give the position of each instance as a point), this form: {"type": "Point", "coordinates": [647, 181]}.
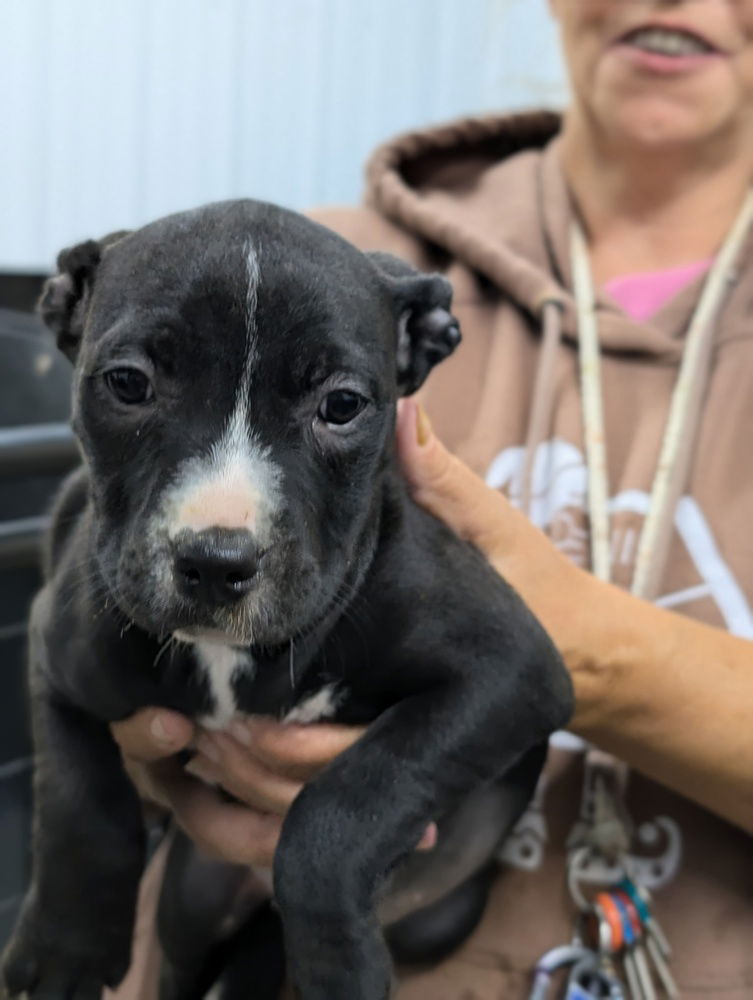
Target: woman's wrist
{"type": "Point", "coordinates": [608, 643]}
{"type": "Point", "coordinates": [643, 692]}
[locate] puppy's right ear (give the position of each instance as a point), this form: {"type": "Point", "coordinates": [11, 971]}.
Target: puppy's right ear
{"type": "Point", "coordinates": [64, 298]}
{"type": "Point", "coordinates": [427, 332]}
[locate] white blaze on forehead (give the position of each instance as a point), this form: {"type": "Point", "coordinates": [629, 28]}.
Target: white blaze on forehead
{"type": "Point", "coordinates": [237, 485]}
{"type": "Point", "coordinates": [252, 302]}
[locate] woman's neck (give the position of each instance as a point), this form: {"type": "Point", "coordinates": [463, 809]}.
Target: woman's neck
{"type": "Point", "coordinates": [649, 210]}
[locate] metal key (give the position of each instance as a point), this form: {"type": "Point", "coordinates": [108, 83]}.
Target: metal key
{"type": "Point", "coordinates": [642, 901]}
{"type": "Point", "coordinates": [657, 945]}
{"type": "Point", "coordinates": [631, 974]}
{"type": "Point", "coordinates": [621, 939]}
{"type": "Point", "coordinates": [662, 969]}
{"type": "Point", "coordinates": [634, 955]}
{"type": "Point", "coordinates": [610, 940]}
{"type": "Point", "coordinates": [653, 929]}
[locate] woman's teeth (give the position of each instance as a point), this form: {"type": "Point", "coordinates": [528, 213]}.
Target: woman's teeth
{"type": "Point", "coordinates": [665, 42]}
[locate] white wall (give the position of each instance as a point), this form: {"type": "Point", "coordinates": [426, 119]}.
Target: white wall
{"type": "Point", "coordinates": [113, 112]}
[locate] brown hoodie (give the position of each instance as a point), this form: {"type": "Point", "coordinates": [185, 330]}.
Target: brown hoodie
{"type": "Point", "coordinates": [484, 201]}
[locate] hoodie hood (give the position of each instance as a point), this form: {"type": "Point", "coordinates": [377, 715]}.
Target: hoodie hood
{"type": "Point", "coordinates": [490, 192]}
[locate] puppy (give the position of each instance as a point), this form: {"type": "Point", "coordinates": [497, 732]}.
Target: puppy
{"type": "Point", "coordinates": [239, 540]}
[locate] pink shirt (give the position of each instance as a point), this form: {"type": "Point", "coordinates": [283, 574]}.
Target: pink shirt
{"type": "Point", "coordinates": [641, 295]}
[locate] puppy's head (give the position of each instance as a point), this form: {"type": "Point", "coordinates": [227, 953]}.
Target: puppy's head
{"type": "Point", "coordinates": [236, 372]}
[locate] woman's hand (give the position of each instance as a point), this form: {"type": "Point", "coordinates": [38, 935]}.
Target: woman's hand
{"type": "Point", "coordinates": [262, 763]}
{"type": "Point", "coordinates": [554, 588]}
{"type": "Point", "coordinates": [149, 741]}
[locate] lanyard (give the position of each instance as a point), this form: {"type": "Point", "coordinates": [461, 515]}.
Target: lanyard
{"type": "Point", "coordinates": [679, 433]}
{"type": "Point", "coordinates": [605, 777]}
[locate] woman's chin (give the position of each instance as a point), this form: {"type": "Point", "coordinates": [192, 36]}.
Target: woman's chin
{"type": "Point", "coordinates": [654, 124]}
{"type": "Point", "coordinates": [663, 113]}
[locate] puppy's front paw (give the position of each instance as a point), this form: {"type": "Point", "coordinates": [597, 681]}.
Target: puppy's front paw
{"type": "Point", "coordinates": [55, 964]}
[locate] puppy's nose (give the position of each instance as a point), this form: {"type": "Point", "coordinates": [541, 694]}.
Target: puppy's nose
{"type": "Point", "coordinates": [216, 566]}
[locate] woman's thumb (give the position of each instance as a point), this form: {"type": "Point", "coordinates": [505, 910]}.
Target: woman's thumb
{"type": "Point", "coordinates": [442, 484]}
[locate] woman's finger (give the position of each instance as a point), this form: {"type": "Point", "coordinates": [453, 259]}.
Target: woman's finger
{"type": "Point", "coordinates": [224, 830]}
{"type": "Point", "coordinates": [295, 751]}
{"type": "Point", "coordinates": [263, 791]}
{"type": "Point", "coordinates": [446, 487]}
{"type": "Point", "coordinates": [224, 761]}
{"type": "Point", "coordinates": [152, 733]}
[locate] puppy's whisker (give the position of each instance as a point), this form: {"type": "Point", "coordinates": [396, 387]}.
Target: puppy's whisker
{"type": "Point", "coordinates": [356, 610]}
{"type": "Point", "coordinates": [69, 593]}
{"type": "Point", "coordinates": [163, 649]}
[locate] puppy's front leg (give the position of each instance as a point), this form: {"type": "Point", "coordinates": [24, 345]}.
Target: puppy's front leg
{"type": "Point", "coordinates": [368, 809]}
{"type": "Point", "coordinates": [74, 933]}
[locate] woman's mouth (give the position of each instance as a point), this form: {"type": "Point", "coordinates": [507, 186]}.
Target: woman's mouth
{"type": "Point", "coordinates": [667, 42]}
{"type": "Point", "coordinates": [665, 50]}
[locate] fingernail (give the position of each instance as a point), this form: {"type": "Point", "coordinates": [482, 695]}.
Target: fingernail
{"type": "Point", "coordinates": [423, 426]}
{"type": "Point", "coordinates": [164, 730]}
{"type": "Point", "coordinates": [240, 731]}
{"type": "Point", "coordinates": [209, 748]}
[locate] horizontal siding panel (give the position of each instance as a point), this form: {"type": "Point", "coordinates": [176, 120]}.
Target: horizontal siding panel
{"type": "Point", "coordinates": [116, 113]}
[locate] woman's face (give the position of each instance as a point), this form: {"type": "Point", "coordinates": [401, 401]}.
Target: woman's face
{"type": "Point", "coordinates": [660, 73]}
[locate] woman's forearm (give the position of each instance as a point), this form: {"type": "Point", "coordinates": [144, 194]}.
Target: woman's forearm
{"type": "Point", "coordinates": [670, 696]}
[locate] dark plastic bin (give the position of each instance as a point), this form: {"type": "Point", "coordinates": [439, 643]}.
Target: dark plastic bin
{"type": "Point", "coordinates": [35, 450]}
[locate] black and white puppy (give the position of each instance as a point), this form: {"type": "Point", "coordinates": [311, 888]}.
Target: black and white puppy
{"type": "Point", "coordinates": [239, 540]}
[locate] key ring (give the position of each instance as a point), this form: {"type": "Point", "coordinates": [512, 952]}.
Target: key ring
{"type": "Point", "coordinates": [629, 887]}
{"type": "Point", "coordinates": [632, 911]}
{"type": "Point", "coordinates": [576, 864]}
{"type": "Point", "coordinates": [604, 906]}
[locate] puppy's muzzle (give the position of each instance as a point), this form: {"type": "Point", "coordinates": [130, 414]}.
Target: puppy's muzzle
{"type": "Point", "coordinates": [216, 567]}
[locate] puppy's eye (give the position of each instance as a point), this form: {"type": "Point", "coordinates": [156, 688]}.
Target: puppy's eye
{"type": "Point", "coordinates": [129, 385]}
{"type": "Point", "coordinates": [341, 406]}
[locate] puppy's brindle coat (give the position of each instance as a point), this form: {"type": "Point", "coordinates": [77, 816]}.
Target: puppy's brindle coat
{"type": "Point", "coordinates": [239, 540]}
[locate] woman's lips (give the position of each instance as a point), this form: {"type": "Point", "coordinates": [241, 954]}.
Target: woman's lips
{"type": "Point", "coordinates": [666, 49]}
{"type": "Point", "coordinates": [665, 65]}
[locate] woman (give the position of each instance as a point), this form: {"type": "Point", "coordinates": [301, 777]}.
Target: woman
{"type": "Point", "coordinates": [635, 194]}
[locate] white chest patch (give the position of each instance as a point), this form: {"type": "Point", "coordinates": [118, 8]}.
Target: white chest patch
{"type": "Point", "coordinates": [316, 707]}
{"type": "Point", "coordinates": [221, 664]}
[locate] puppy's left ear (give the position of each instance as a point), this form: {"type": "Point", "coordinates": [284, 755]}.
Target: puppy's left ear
{"type": "Point", "coordinates": [427, 332]}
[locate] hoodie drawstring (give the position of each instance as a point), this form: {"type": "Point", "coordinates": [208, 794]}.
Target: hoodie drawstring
{"type": "Point", "coordinates": [684, 414]}
{"type": "Point", "coordinates": [678, 447]}
{"type": "Point", "coordinates": [673, 467]}
{"type": "Point", "coordinates": [542, 406]}
{"type": "Point", "coordinates": [604, 773]}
